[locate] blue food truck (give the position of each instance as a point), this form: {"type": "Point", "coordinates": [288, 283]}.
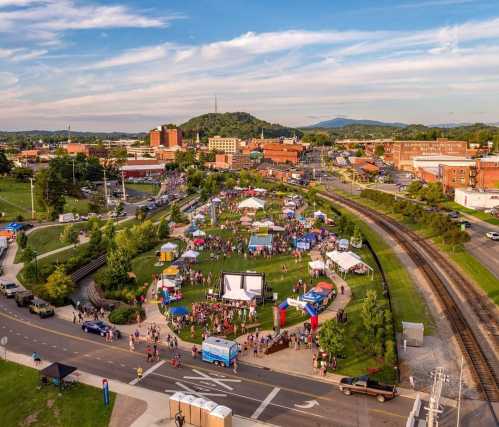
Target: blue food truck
{"type": "Point", "coordinates": [219, 351]}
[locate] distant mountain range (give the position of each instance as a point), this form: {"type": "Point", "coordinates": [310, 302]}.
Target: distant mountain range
{"type": "Point", "coordinates": [340, 122]}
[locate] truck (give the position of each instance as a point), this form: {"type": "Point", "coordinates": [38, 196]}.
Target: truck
{"type": "Point", "coordinates": [366, 385]}
{"type": "Point", "coordinates": [41, 307]}
{"type": "Point", "coordinates": [68, 217]}
{"type": "Point", "coordinates": [4, 243]}
{"type": "Point", "coordinates": [219, 351]}
{"type": "Point", "coordinates": [9, 289]}
{"type": "Point", "coordinates": [24, 298]}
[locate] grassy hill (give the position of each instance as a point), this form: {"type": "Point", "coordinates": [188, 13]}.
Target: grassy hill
{"type": "Point", "coordinates": [242, 125]}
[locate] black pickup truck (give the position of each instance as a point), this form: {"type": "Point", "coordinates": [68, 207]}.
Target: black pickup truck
{"type": "Point", "coordinates": [365, 385]}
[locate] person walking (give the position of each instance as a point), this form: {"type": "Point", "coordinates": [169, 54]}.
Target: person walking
{"type": "Point", "coordinates": [37, 360]}
{"type": "Point", "coordinates": [235, 366]}
{"type": "Point", "coordinates": [140, 372]}
{"type": "Point", "coordinates": [131, 342]}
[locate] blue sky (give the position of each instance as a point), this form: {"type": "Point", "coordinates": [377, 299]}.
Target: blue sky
{"type": "Point", "coordinates": [130, 65]}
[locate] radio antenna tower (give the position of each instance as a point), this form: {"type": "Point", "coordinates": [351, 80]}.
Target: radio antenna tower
{"type": "Point", "coordinates": [216, 105]}
{"type": "Point", "coordinates": [69, 134]}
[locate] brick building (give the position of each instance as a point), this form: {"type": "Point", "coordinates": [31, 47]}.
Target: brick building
{"type": "Point", "coordinates": [402, 152]}
{"type": "Point", "coordinates": [235, 161]}
{"type": "Point", "coordinates": [86, 149]}
{"type": "Point", "coordinates": [280, 153]}
{"type": "Point", "coordinates": [166, 137]}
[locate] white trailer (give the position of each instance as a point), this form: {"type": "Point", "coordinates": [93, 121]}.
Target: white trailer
{"type": "Point", "coordinates": [67, 217]}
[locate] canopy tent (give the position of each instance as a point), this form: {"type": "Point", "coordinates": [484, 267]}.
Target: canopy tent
{"type": "Point", "coordinates": [277, 228]}
{"type": "Point", "coordinates": [317, 265]}
{"type": "Point", "coordinates": [252, 203]}
{"type": "Point", "coordinates": [178, 311]}
{"type": "Point", "coordinates": [260, 242]}
{"type": "Point", "coordinates": [310, 237]}
{"type": "Point", "coordinates": [239, 295]}
{"type": "Point", "coordinates": [343, 244]}
{"type": "Point", "coordinates": [265, 223]}
{"type": "Point", "coordinates": [199, 233]}
{"type": "Point", "coordinates": [260, 190]}
{"type": "Point", "coordinates": [199, 242]}
{"type": "Point", "coordinates": [14, 226]}
{"type": "Point", "coordinates": [171, 271]}
{"type": "Point", "coordinates": [216, 200]}
{"type": "Point", "coordinates": [168, 252]}
{"type": "Point", "coordinates": [301, 244]}
{"type": "Point", "coordinates": [290, 204]}
{"type": "Point", "coordinates": [324, 285]}
{"type": "Point", "coordinates": [190, 254]}
{"type": "Point", "coordinates": [169, 247]}
{"type": "Point", "coordinates": [320, 215]}
{"type": "Point", "coordinates": [199, 217]}
{"type": "Point", "coordinates": [165, 283]}
{"type": "Point", "coordinates": [347, 261]}
{"type": "Point", "coordinates": [57, 372]}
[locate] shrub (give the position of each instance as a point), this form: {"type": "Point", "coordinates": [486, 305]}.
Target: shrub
{"type": "Point", "coordinates": [125, 314]}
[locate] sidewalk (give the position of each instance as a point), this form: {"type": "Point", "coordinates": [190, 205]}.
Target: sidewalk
{"type": "Point", "coordinates": [155, 405]}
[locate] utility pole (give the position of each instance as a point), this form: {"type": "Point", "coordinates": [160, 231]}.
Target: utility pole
{"type": "Point", "coordinates": [32, 200]}
{"type": "Point", "coordinates": [123, 185]}
{"type": "Point", "coordinates": [460, 392]}
{"type": "Point", "coordinates": [105, 186]}
{"type": "Point", "coordinates": [433, 409]}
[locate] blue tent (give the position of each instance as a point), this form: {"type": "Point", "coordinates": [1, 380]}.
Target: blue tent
{"type": "Point", "coordinates": [179, 311]}
{"type": "Point", "coordinates": [14, 226]}
{"type": "Point", "coordinates": [310, 237]}
{"type": "Point", "coordinates": [260, 242]}
{"type": "Point", "coordinates": [312, 297]}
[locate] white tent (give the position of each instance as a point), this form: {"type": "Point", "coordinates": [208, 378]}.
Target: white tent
{"type": "Point", "coordinates": [252, 203]}
{"type": "Point", "coordinates": [316, 265]}
{"type": "Point", "coordinates": [199, 233]}
{"type": "Point", "coordinates": [216, 200]}
{"type": "Point", "coordinates": [319, 214]}
{"type": "Point", "coordinates": [169, 247]}
{"type": "Point", "coordinates": [199, 217]}
{"type": "Point", "coordinates": [347, 261]}
{"type": "Point", "coordinates": [190, 254]}
{"type": "Point", "coordinates": [165, 283]}
{"type": "Point", "coordinates": [260, 190]}
{"type": "Point", "coordinates": [239, 295]}
{"type": "Point", "coordinates": [277, 228]}
{"type": "Point", "coordinates": [265, 223]}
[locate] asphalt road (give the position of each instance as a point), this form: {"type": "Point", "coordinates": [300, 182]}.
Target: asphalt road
{"type": "Point", "coordinates": [254, 392]}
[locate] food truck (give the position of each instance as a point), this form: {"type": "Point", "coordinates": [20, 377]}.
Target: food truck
{"type": "Point", "coordinates": [219, 351]}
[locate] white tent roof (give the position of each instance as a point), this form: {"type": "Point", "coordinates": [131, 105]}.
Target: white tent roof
{"type": "Point", "coordinates": [190, 254]}
{"type": "Point", "coordinates": [290, 204]}
{"type": "Point", "coordinates": [252, 203]}
{"type": "Point", "coordinates": [346, 260]}
{"type": "Point", "coordinates": [169, 247]}
{"type": "Point", "coordinates": [260, 190]}
{"type": "Point", "coordinates": [165, 283]}
{"type": "Point", "coordinates": [216, 200]}
{"type": "Point", "coordinates": [277, 228]}
{"type": "Point", "coordinates": [317, 265]}
{"type": "Point", "coordinates": [199, 216]}
{"type": "Point", "coordinates": [287, 210]}
{"type": "Point", "coordinates": [319, 213]}
{"type": "Point", "coordinates": [266, 223]}
{"type": "Point", "coordinates": [199, 233]}
{"type": "Point", "coordinates": [239, 295]}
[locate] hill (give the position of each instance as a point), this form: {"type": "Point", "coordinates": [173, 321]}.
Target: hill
{"type": "Point", "coordinates": [239, 124]}
{"type": "Point", "coordinates": [340, 122]}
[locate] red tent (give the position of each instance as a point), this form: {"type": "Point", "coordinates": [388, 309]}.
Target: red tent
{"type": "Point", "coordinates": [198, 242]}
{"type": "Point", "coordinates": [324, 285]}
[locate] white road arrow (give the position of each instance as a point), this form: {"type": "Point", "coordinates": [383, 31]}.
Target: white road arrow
{"type": "Point", "coordinates": [308, 404]}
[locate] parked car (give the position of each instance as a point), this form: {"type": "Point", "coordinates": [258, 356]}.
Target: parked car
{"type": "Point", "coordinates": [365, 385]}
{"type": "Point", "coordinates": [466, 224]}
{"type": "Point", "coordinates": [98, 327]}
{"type": "Point", "coordinates": [9, 289]}
{"type": "Point", "coordinates": [493, 235]}
{"type": "Point", "coordinates": [24, 298]}
{"type": "Point", "coordinates": [41, 307]}
{"type": "Point", "coordinates": [453, 215]}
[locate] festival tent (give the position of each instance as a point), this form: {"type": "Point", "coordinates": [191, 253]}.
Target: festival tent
{"type": "Point", "coordinates": [260, 242]}
{"type": "Point", "coordinates": [343, 244]}
{"type": "Point", "coordinates": [324, 285]}
{"type": "Point", "coordinates": [171, 271]}
{"type": "Point", "coordinates": [301, 244]}
{"type": "Point", "coordinates": [347, 261]}
{"type": "Point", "coordinates": [263, 224]}
{"type": "Point", "coordinates": [179, 311]}
{"type": "Point", "coordinates": [216, 200]}
{"type": "Point", "coordinates": [252, 203]}
{"type": "Point", "coordinates": [190, 254]}
{"type": "Point", "coordinates": [277, 228]}
{"type": "Point", "coordinates": [165, 283]}
{"type": "Point", "coordinates": [316, 265]}
{"type": "Point", "coordinates": [168, 251]}
{"type": "Point", "coordinates": [198, 242]}
{"type": "Point", "coordinates": [199, 217]}
{"type": "Point", "coordinates": [320, 215]}
{"type": "Point", "coordinates": [260, 190]}
{"type": "Point", "coordinates": [290, 205]}
{"type": "Point", "coordinates": [57, 372]}
{"type": "Point", "coordinates": [199, 233]}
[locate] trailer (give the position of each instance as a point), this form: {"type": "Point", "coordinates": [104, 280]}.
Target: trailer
{"type": "Point", "coordinates": [67, 217]}
{"type": "Point", "coordinates": [219, 351]}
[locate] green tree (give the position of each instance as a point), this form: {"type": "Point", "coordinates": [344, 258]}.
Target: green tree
{"type": "Point", "coordinates": [332, 337]}
{"type": "Point", "coordinates": [59, 285]}
{"type": "Point", "coordinates": [372, 318]}
{"type": "Point", "coordinates": [21, 174]}
{"type": "Point", "coordinates": [96, 240]}
{"type": "Point", "coordinates": [109, 232]}
{"type": "Point", "coordinates": [28, 254]}
{"type": "Point", "coordinates": [22, 240]}
{"type": "Point", "coordinates": [116, 273]}
{"type": "Point", "coordinates": [140, 214]}
{"type": "Point", "coordinates": [175, 214]}
{"type": "Point", "coordinates": [163, 230]}
{"type": "Point", "coordinates": [5, 164]}
{"type": "Point", "coordinates": [414, 188]}
{"type": "Point", "coordinates": [97, 202]}
{"type": "Point", "coordinates": [49, 191]}
{"type": "Point", "coordinates": [69, 235]}
{"type": "Point", "coordinates": [379, 150]}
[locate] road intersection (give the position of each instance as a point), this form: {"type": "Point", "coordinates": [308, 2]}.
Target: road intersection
{"type": "Point", "coordinates": [255, 393]}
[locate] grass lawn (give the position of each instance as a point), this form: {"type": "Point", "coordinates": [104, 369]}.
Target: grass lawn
{"type": "Point", "coordinates": [150, 189]}
{"type": "Point", "coordinates": [47, 239]}
{"type": "Point", "coordinates": [21, 403]}
{"type": "Point", "coordinates": [15, 199]}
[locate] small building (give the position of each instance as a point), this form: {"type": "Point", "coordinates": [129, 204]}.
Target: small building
{"type": "Point", "coordinates": [413, 334]}
{"type": "Point", "coordinates": [258, 243]}
{"type": "Point", "coordinates": [476, 199]}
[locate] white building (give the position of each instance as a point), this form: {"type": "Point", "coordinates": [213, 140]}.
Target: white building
{"type": "Point", "coordinates": [431, 162]}
{"type": "Point", "coordinates": [476, 199]}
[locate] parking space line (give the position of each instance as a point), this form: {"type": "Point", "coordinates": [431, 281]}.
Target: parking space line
{"type": "Point", "coordinates": [265, 403]}
{"type": "Point", "coordinates": [148, 372]}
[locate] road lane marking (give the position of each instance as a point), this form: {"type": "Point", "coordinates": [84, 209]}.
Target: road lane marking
{"type": "Point", "coordinates": [204, 377]}
{"type": "Point", "coordinates": [195, 392]}
{"type": "Point", "coordinates": [265, 403]}
{"type": "Point", "coordinates": [148, 372]}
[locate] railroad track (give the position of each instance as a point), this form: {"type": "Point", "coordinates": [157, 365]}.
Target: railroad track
{"type": "Point", "coordinates": [482, 361]}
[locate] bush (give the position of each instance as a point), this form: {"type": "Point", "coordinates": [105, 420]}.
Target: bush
{"type": "Point", "coordinates": [125, 314]}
